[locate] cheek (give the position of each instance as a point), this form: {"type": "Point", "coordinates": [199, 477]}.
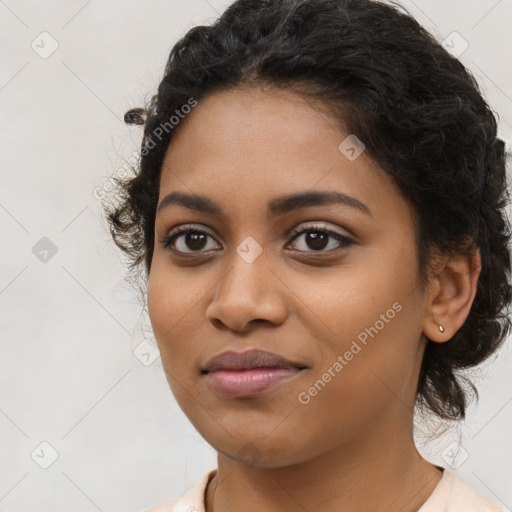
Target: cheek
{"type": "Point", "coordinates": [172, 307]}
{"type": "Point", "coordinates": [364, 382]}
{"type": "Point", "coordinates": [361, 299]}
{"type": "Point", "coordinates": [170, 321]}
{"type": "Point", "coordinates": [372, 355]}
{"type": "Point", "coordinates": [173, 295]}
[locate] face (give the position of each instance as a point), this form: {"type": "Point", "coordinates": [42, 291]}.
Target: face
{"type": "Point", "coordinates": [328, 282]}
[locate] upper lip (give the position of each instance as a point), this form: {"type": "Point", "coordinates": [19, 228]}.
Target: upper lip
{"type": "Point", "coordinates": [249, 359]}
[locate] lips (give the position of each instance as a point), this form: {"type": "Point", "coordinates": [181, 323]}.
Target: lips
{"type": "Point", "coordinates": [248, 360]}
{"type": "Point", "coordinates": [249, 373]}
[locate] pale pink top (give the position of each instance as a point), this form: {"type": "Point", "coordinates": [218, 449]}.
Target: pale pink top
{"type": "Point", "coordinates": [452, 494]}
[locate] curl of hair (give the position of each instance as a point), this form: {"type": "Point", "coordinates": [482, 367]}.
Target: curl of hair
{"type": "Point", "coordinates": [417, 109]}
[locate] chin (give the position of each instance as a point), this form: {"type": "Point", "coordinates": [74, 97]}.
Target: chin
{"type": "Point", "coordinates": [263, 453]}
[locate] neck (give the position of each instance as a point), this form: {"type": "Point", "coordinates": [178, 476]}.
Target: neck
{"type": "Point", "coordinates": [379, 471]}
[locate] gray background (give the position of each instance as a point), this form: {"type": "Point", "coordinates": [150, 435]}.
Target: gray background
{"type": "Point", "coordinates": [73, 371]}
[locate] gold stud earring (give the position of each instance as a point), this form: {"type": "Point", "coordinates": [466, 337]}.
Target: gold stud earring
{"type": "Point", "coordinates": [441, 328]}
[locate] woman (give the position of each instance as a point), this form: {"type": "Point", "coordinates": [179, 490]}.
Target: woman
{"type": "Point", "coordinates": [319, 210]}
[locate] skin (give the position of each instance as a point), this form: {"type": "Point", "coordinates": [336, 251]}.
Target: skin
{"type": "Point", "coordinates": [351, 446]}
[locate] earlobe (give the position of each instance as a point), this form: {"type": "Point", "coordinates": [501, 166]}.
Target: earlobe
{"type": "Point", "coordinates": [451, 295]}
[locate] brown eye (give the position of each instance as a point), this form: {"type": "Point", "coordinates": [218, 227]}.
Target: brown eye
{"type": "Point", "coordinates": [317, 238]}
{"type": "Point", "coordinates": [186, 240]}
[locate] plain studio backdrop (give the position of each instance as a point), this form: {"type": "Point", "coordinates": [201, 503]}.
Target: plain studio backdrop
{"type": "Point", "coordinates": [87, 421]}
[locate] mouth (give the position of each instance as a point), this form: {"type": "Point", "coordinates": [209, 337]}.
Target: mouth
{"type": "Point", "coordinates": [250, 373]}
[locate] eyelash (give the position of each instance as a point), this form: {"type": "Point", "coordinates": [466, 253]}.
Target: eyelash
{"type": "Point", "coordinates": [345, 241]}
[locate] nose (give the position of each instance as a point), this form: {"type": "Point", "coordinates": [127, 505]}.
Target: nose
{"type": "Point", "coordinates": [248, 294]}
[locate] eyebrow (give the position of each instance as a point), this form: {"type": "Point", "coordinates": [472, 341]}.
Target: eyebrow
{"type": "Point", "coordinates": [276, 207]}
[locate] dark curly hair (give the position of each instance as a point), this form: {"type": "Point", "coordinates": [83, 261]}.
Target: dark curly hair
{"type": "Point", "coordinates": [417, 109]}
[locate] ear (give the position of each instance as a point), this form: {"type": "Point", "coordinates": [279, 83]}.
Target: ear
{"type": "Point", "coordinates": [451, 294]}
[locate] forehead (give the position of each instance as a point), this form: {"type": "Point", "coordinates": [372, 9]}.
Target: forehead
{"type": "Point", "coordinates": [249, 145]}
{"type": "Point", "coordinates": [254, 121]}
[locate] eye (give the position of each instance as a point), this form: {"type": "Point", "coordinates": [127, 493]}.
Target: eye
{"type": "Point", "coordinates": [316, 237]}
{"type": "Point", "coordinates": [186, 237]}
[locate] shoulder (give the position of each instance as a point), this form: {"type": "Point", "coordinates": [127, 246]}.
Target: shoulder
{"type": "Point", "coordinates": [165, 506]}
{"type": "Point", "coordinates": [193, 499]}
{"type": "Point", "coordinates": [454, 494]}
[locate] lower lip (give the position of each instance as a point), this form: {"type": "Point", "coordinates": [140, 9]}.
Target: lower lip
{"type": "Point", "coordinates": [246, 383]}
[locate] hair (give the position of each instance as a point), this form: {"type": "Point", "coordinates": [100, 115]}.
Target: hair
{"type": "Point", "coordinates": [416, 108]}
